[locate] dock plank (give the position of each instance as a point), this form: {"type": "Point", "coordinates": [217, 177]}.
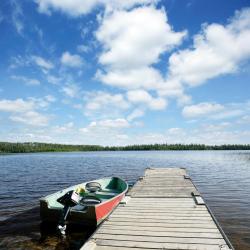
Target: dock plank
{"type": "Point", "coordinates": [156, 245]}
{"type": "Point", "coordinates": [161, 213]}
{"type": "Point", "coordinates": [164, 233]}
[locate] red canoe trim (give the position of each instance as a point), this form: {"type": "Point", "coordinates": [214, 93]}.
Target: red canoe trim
{"type": "Point", "coordinates": [105, 208]}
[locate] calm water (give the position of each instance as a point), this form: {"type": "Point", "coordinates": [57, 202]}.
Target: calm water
{"type": "Point", "coordinates": [223, 178]}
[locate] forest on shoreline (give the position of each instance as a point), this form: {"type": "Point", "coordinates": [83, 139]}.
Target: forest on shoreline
{"type": "Point", "coordinates": [35, 147]}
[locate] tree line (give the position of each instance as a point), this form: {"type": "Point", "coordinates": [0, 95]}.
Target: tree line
{"type": "Point", "coordinates": [33, 147]}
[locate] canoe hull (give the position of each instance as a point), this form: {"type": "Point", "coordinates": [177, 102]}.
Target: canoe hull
{"type": "Point", "coordinates": [80, 217]}
{"type": "Point", "coordinates": [90, 215]}
{"type": "Point", "coordinates": [104, 209]}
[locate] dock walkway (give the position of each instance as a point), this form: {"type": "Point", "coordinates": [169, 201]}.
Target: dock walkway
{"type": "Point", "coordinates": [163, 210]}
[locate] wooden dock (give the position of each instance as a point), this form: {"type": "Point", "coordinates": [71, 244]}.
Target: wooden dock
{"type": "Point", "coordinates": [163, 210]}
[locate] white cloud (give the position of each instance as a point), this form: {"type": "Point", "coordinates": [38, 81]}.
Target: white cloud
{"type": "Point", "coordinates": [133, 41]}
{"type": "Point", "coordinates": [135, 114]}
{"type": "Point", "coordinates": [99, 100]}
{"type": "Point", "coordinates": [158, 103]}
{"type": "Point", "coordinates": [71, 90]}
{"type": "Point", "coordinates": [19, 61]}
{"type": "Point", "coordinates": [104, 105]}
{"type": "Point", "coordinates": [31, 118]}
{"type": "Point", "coordinates": [17, 16]}
{"type": "Point", "coordinates": [106, 125]}
{"type": "Point", "coordinates": [79, 7]}
{"type": "Point", "coordinates": [41, 62]}
{"type": "Point", "coordinates": [139, 96]}
{"type": "Point", "coordinates": [53, 79]}
{"type": "Point", "coordinates": [143, 97]}
{"type": "Point", "coordinates": [74, 61]}
{"type": "Point", "coordinates": [25, 111]}
{"type": "Point", "coordinates": [201, 109]}
{"type": "Point", "coordinates": [216, 111]}
{"type": "Point", "coordinates": [1, 17]}
{"type": "Point", "coordinates": [175, 131]}
{"type": "Point", "coordinates": [218, 133]}
{"type": "Point", "coordinates": [18, 105]}
{"type": "Point", "coordinates": [50, 98]}
{"type": "Point", "coordinates": [122, 136]}
{"type": "Point", "coordinates": [83, 48]}
{"type": "Point", "coordinates": [136, 38]}
{"type": "Point", "coordinates": [26, 80]}
{"type": "Point", "coordinates": [217, 50]}
{"type": "Point", "coordinates": [143, 77]}
{"type": "Point", "coordinates": [65, 128]}
{"type": "Point", "coordinates": [117, 123]}
{"type": "Point", "coordinates": [244, 119]}
{"type": "Point", "coordinates": [42, 103]}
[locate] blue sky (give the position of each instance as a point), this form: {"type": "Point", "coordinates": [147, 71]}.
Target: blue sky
{"type": "Point", "coordinates": [120, 72]}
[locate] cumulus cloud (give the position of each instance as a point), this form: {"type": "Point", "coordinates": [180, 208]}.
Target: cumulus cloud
{"type": "Point", "coordinates": [201, 109]}
{"type": "Point", "coordinates": [216, 111]}
{"type": "Point", "coordinates": [83, 48]}
{"type": "Point", "coordinates": [31, 118]}
{"type": "Point", "coordinates": [103, 105]}
{"type": "Point", "coordinates": [216, 51]}
{"type": "Point", "coordinates": [18, 105]}
{"type": "Point", "coordinates": [26, 111]}
{"type": "Point", "coordinates": [26, 80]}
{"type": "Point", "coordinates": [105, 125]}
{"type": "Point", "coordinates": [132, 42]}
{"type": "Point", "coordinates": [17, 16]}
{"type": "Point", "coordinates": [70, 60]}
{"type": "Point", "coordinates": [53, 79]}
{"type": "Point", "coordinates": [143, 97]}
{"type": "Point", "coordinates": [43, 63]}
{"type": "Point", "coordinates": [64, 128]}
{"type": "Point", "coordinates": [136, 38]}
{"type": "Point", "coordinates": [135, 114]}
{"type": "Point", "coordinates": [79, 7]}
{"type": "Point", "coordinates": [143, 77]}
{"type": "Point", "coordinates": [97, 100]}
{"type": "Point", "coordinates": [71, 90]}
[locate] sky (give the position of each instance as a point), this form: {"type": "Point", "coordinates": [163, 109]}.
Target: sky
{"type": "Point", "coordinates": [115, 72]}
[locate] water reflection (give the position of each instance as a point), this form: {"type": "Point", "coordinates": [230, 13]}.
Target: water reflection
{"type": "Point", "coordinates": [221, 176]}
{"type": "Point", "coordinates": [24, 231]}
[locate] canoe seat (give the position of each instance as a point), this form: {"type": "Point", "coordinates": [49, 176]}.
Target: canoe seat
{"type": "Point", "coordinates": [107, 193]}
{"type": "Point", "coordinates": [109, 190]}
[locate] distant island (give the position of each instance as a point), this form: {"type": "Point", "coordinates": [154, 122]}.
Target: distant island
{"type": "Point", "coordinates": [33, 147]}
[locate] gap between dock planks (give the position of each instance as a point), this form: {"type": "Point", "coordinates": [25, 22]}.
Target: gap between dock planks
{"type": "Point", "coordinates": [163, 210]}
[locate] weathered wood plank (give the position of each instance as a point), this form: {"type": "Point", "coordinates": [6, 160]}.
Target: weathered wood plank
{"type": "Point", "coordinates": [187, 199]}
{"type": "Point", "coordinates": [216, 235]}
{"type": "Point", "coordinates": [152, 220]}
{"type": "Point", "coordinates": [156, 245]}
{"type": "Point", "coordinates": [161, 217]}
{"type": "Point", "coordinates": [161, 201]}
{"type": "Point", "coordinates": [203, 247]}
{"type": "Point", "coordinates": [146, 238]}
{"type": "Point", "coordinates": [210, 225]}
{"type": "Point", "coordinates": [160, 228]}
{"type": "Point", "coordinates": [165, 212]}
{"type": "Point", "coordinates": [161, 213]}
{"type": "Point", "coordinates": [160, 205]}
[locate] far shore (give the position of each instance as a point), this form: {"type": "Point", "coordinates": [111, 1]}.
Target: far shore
{"type": "Point", "coordinates": [37, 147]}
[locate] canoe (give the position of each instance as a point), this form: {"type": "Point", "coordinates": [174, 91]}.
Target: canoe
{"type": "Point", "coordinates": [112, 191]}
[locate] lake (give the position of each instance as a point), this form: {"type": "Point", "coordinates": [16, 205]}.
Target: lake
{"type": "Point", "coordinates": [223, 178]}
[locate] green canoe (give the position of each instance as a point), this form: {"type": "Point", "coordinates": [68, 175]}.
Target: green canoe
{"type": "Point", "coordinates": [112, 191]}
